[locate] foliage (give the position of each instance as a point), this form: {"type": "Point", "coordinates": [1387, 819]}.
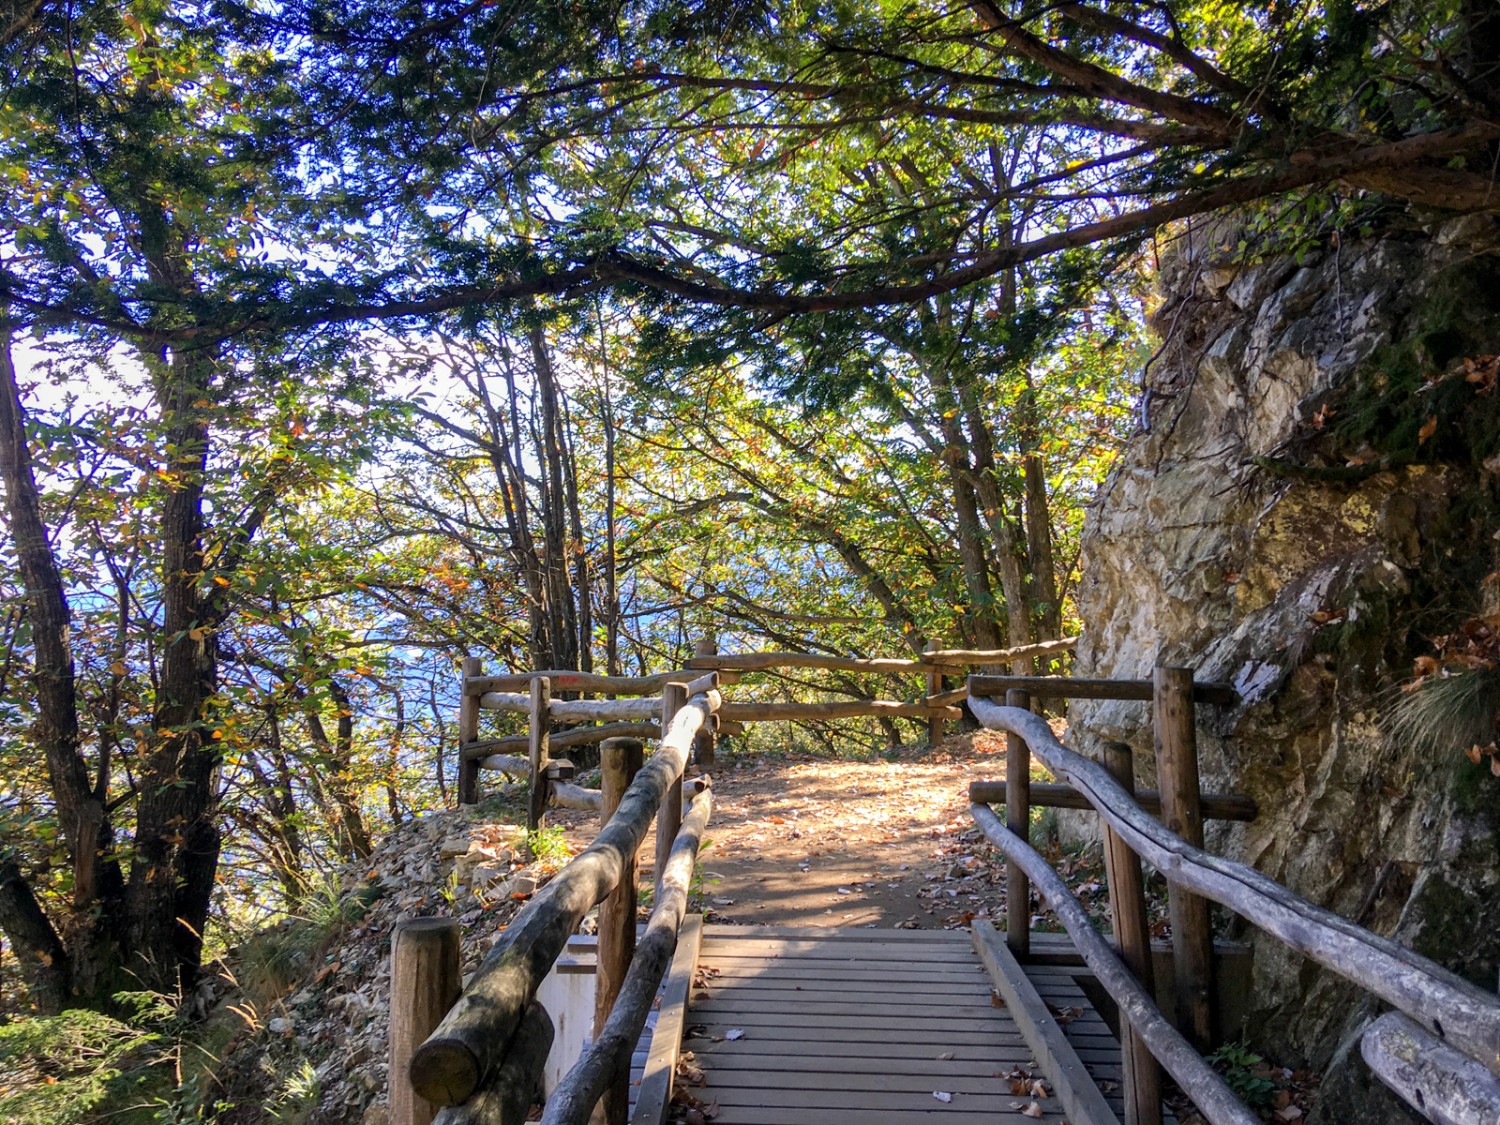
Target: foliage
{"type": "Point", "coordinates": [59, 1068]}
{"type": "Point", "coordinates": [549, 846]}
{"type": "Point", "coordinates": [1241, 1069]}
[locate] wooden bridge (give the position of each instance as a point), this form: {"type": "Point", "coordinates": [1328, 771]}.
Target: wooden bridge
{"type": "Point", "coordinates": [763, 1026]}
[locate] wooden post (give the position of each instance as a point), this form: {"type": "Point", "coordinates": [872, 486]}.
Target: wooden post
{"type": "Point", "coordinates": [707, 740]}
{"type": "Point", "coordinates": [425, 983]}
{"type": "Point", "coordinates": [540, 714]}
{"type": "Point", "coordinates": [619, 759]}
{"type": "Point", "coordinates": [934, 687]}
{"type": "Point", "coordinates": [1127, 906]}
{"type": "Point", "coordinates": [669, 819]}
{"type": "Point", "coordinates": [1018, 820]}
{"type": "Point", "coordinates": [468, 733]}
{"type": "Point", "coordinates": [1177, 770]}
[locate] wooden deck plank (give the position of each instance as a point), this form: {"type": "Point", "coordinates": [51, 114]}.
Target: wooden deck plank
{"type": "Point", "coordinates": [864, 1025]}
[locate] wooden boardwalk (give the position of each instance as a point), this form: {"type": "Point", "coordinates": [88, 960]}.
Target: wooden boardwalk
{"type": "Point", "coordinates": [882, 1027]}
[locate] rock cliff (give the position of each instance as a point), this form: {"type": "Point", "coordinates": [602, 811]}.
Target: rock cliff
{"type": "Point", "coordinates": [1312, 497]}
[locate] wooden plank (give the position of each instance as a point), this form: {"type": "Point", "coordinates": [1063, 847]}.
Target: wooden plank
{"type": "Point", "coordinates": [961, 992]}
{"type": "Point", "coordinates": [655, 1091]}
{"type": "Point", "coordinates": [813, 1062]}
{"type": "Point", "coordinates": [834, 951]}
{"type": "Point", "coordinates": [1072, 687]}
{"type": "Point", "coordinates": [858, 1025]}
{"type": "Point", "coordinates": [783, 1115]}
{"type": "Point", "coordinates": [959, 938]}
{"type": "Point", "coordinates": [897, 1051]}
{"type": "Point", "coordinates": [733, 1004]}
{"type": "Point", "coordinates": [986, 1084]}
{"type": "Point", "coordinates": [1081, 1099]}
{"type": "Point", "coordinates": [856, 1102]}
{"type": "Point", "coordinates": [1226, 806]}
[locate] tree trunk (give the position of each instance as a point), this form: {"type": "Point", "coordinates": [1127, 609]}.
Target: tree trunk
{"type": "Point", "coordinates": [176, 837]}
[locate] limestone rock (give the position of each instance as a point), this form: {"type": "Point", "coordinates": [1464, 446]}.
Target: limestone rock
{"type": "Point", "coordinates": [1210, 546]}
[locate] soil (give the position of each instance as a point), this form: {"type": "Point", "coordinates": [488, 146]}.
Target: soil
{"type": "Point", "coordinates": [802, 841]}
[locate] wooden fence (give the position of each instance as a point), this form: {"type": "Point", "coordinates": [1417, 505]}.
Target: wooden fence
{"type": "Point", "coordinates": [636, 715]}
{"type": "Point", "coordinates": [1440, 1051]}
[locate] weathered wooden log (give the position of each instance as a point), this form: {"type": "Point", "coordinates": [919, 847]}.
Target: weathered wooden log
{"type": "Point", "coordinates": [589, 682]}
{"type": "Point", "coordinates": [468, 1046]}
{"type": "Point", "coordinates": [729, 728]}
{"type": "Point", "coordinates": [1175, 731]}
{"type": "Point", "coordinates": [609, 1056]}
{"type": "Point", "coordinates": [946, 698]}
{"type": "Point", "coordinates": [708, 681]}
{"type": "Point", "coordinates": [468, 734]}
{"type": "Point", "coordinates": [576, 736]}
{"type": "Point", "coordinates": [566, 796]}
{"type": "Point", "coordinates": [620, 760]}
{"type": "Point", "coordinates": [1198, 1080]}
{"type": "Point", "coordinates": [669, 817]}
{"type": "Point", "coordinates": [507, 1098]}
{"type": "Point", "coordinates": [513, 764]}
{"type": "Point", "coordinates": [934, 684]}
{"type": "Point", "coordinates": [1018, 820]}
{"type": "Point", "coordinates": [516, 702]}
{"type": "Point", "coordinates": [539, 751]}
{"type": "Point", "coordinates": [1468, 1016]}
{"type": "Point", "coordinates": [598, 710]}
{"type": "Point", "coordinates": [425, 981]}
{"type": "Point", "coordinates": [812, 712]}
{"type": "Point", "coordinates": [1072, 687]}
{"type": "Point", "coordinates": [1227, 806]}
{"type": "Point", "coordinates": [941, 658]}
{"type": "Point", "coordinates": [1444, 1085]}
{"type": "Point", "coordinates": [1132, 926]}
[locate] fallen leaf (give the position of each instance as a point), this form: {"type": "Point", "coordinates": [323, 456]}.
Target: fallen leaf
{"type": "Point", "coordinates": [734, 1033]}
{"type": "Point", "coordinates": [942, 1095]}
{"type": "Point", "coordinates": [1032, 1110]}
{"type": "Point", "coordinates": [1429, 428]}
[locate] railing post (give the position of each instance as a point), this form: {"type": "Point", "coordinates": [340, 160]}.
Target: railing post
{"type": "Point", "coordinates": [934, 687]}
{"type": "Point", "coordinates": [619, 759]}
{"type": "Point", "coordinates": [540, 716]}
{"type": "Point", "coordinates": [1177, 769]}
{"type": "Point", "coordinates": [425, 983]}
{"type": "Point", "coordinates": [1127, 907]}
{"type": "Point", "coordinates": [1018, 820]}
{"type": "Point", "coordinates": [705, 743]}
{"type": "Point", "coordinates": [468, 732]}
{"type": "Point", "coordinates": [669, 819]}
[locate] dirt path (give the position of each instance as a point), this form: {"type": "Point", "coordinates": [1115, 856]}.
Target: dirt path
{"type": "Point", "coordinates": [811, 842]}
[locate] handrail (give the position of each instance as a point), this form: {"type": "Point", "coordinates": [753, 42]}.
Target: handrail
{"type": "Point", "coordinates": [472, 1040]}
{"type": "Point", "coordinates": [934, 659]}
{"type": "Point", "coordinates": [1443, 1003]}
{"type": "Point", "coordinates": [574, 1098]}
{"type": "Point", "coordinates": [1203, 1084]}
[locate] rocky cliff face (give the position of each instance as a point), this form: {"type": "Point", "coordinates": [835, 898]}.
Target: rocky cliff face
{"type": "Point", "coordinates": [1315, 496]}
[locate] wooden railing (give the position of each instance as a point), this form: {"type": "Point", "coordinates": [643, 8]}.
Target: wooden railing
{"type": "Point", "coordinates": [534, 694]}
{"type": "Point", "coordinates": [1440, 1051]}
{"type": "Point", "coordinates": [484, 1058]}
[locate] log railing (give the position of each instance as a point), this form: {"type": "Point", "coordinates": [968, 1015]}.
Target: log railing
{"type": "Point", "coordinates": [483, 1061]}
{"type": "Point", "coordinates": [636, 705]}
{"type": "Point", "coordinates": [1441, 1053]}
